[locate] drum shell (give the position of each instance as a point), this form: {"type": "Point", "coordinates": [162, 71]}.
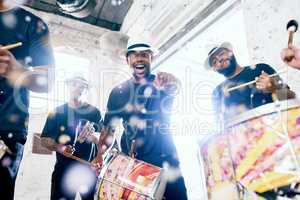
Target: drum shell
{"type": "Point", "coordinates": [255, 149]}
{"type": "Point", "coordinates": [123, 177]}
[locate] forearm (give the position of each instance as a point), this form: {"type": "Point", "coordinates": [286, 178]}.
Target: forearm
{"type": "Point", "coordinates": [103, 140]}
{"type": "Point", "coordinates": [50, 144]}
{"type": "Point", "coordinates": [38, 79]}
{"type": "Point", "coordinates": [283, 94]}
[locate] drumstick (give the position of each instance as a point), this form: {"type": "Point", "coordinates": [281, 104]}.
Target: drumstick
{"type": "Point", "coordinates": [11, 46]}
{"type": "Point", "coordinates": [251, 82]}
{"type": "Point", "coordinates": [79, 160]}
{"type": "Point", "coordinates": [76, 158]}
{"type": "Point", "coordinates": [292, 27]}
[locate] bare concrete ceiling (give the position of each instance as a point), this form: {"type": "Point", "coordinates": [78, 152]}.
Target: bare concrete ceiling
{"type": "Point", "coordinates": [107, 14]}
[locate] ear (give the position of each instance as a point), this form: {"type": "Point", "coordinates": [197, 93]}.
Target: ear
{"type": "Point", "coordinates": [151, 57]}
{"type": "Point", "coordinates": [127, 60]}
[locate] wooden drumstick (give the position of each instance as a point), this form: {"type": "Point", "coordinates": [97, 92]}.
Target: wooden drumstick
{"type": "Point", "coordinates": [11, 46]}
{"type": "Point", "coordinates": [80, 160]}
{"type": "Point", "coordinates": [292, 27]}
{"type": "Point", "coordinates": [77, 158]}
{"type": "Point", "coordinates": [226, 90]}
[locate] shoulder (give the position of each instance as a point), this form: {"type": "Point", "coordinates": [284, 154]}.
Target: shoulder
{"type": "Point", "coordinates": [24, 12]}
{"type": "Point", "coordinates": [263, 67]}
{"type": "Point", "coordinates": [36, 25]}
{"type": "Point", "coordinates": [92, 108]}
{"type": "Point", "coordinates": [57, 112]}
{"type": "Point", "coordinates": [61, 109]}
{"type": "Point", "coordinates": [218, 88]}
{"type": "Point", "coordinates": [28, 16]}
{"type": "Point", "coordinates": [122, 87]}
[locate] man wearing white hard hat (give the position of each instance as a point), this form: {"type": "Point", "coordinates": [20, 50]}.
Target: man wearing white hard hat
{"type": "Point", "coordinates": [228, 102]}
{"type": "Point", "coordinates": [72, 130]}
{"type": "Point", "coordinates": [144, 104]}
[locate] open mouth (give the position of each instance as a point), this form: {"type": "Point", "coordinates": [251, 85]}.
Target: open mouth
{"type": "Point", "coordinates": [140, 66]}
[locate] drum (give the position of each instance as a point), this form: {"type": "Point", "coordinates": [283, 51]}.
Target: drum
{"type": "Point", "coordinates": [258, 149]}
{"type": "Point", "coordinates": [3, 148]}
{"type": "Point", "coordinates": [123, 177]}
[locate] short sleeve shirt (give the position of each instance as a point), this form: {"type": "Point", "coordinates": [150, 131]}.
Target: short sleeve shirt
{"type": "Point", "coordinates": [145, 112]}
{"type": "Point", "coordinates": [19, 25]}
{"type": "Point", "coordinates": [61, 127]}
{"type": "Point", "coordinates": [245, 98]}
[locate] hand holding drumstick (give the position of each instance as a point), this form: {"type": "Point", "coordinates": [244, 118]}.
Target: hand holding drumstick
{"type": "Point", "coordinates": [11, 46]}
{"type": "Point", "coordinates": [7, 60]}
{"type": "Point", "coordinates": [295, 61]}
{"type": "Point", "coordinates": [291, 54]}
{"type": "Point", "coordinates": [263, 82]}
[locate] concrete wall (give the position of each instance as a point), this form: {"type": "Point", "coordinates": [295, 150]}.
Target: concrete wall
{"type": "Point", "coordinates": [159, 20]}
{"type": "Point", "coordinates": [265, 22]}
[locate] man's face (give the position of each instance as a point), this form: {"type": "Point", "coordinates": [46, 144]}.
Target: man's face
{"type": "Point", "coordinates": [77, 88]}
{"type": "Point", "coordinates": [140, 62]}
{"type": "Point", "coordinates": [223, 61]}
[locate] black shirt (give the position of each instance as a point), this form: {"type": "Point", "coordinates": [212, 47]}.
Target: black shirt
{"type": "Point", "coordinates": [145, 112]}
{"type": "Point", "coordinates": [19, 25]}
{"type": "Point", "coordinates": [245, 98]}
{"type": "Point", "coordinates": [61, 125]}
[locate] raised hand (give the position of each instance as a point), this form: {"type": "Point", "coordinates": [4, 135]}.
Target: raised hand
{"type": "Point", "coordinates": [167, 82]}
{"type": "Point", "coordinates": [7, 62]}
{"type": "Point", "coordinates": [291, 56]}
{"type": "Point", "coordinates": [87, 131]}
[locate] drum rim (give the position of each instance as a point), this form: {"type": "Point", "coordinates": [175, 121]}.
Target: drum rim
{"type": "Point", "coordinates": [262, 110]}
{"type": "Point", "coordinates": [102, 173]}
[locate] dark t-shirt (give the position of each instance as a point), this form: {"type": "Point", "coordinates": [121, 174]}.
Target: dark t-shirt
{"type": "Point", "coordinates": [19, 25]}
{"type": "Point", "coordinates": [62, 125]}
{"type": "Point", "coordinates": [245, 98]}
{"type": "Point", "coordinates": [145, 113]}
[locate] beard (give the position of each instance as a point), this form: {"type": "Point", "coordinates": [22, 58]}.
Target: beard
{"type": "Point", "coordinates": [230, 69]}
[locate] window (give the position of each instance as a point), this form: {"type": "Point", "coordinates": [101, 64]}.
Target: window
{"type": "Point", "coordinates": [66, 66]}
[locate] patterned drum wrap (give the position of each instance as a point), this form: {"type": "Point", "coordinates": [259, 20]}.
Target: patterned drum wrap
{"type": "Point", "coordinates": [125, 178]}
{"type": "Point", "coordinates": [3, 148]}
{"type": "Point", "coordinates": [258, 153]}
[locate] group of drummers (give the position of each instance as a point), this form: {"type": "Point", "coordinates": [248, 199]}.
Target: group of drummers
{"type": "Point", "coordinates": [79, 135]}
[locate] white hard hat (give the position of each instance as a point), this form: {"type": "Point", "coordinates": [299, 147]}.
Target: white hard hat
{"type": "Point", "coordinates": [225, 45]}
{"type": "Point", "coordinates": [78, 78]}
{"type": "Point", "coordinates": [139, 45]}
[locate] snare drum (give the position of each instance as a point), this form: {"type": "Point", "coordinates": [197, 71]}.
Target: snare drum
{"type": "Point", "coordinates": [123, 177]}
{"type": "Point", "coordinates": [258, 148]}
